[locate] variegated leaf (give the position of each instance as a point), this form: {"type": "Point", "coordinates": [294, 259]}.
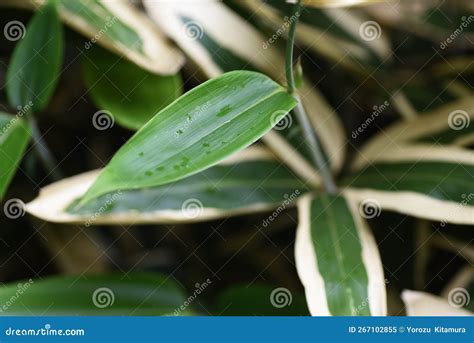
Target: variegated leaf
{"type": "Point", "coordinates": [422, 181]}
{"type": "Point", "coordinates": [119, 27]}
{"type": "Point", "coordinates": [337, 258]}
{"type": "Point", "coordinates": [344, 37]}
{"type": "Point", "coordinates": [450, 124]}
{"type": "Point", "coordinates": [252, 181]}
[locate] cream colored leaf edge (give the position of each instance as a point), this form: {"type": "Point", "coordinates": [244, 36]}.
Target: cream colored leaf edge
{"type": "Point", "coordinates": [311, 278]}
{"type": "Point", "coordinates": [159, 56]}
{"type": "Point", "coordinates": [404, 152]}
{"type": "Point", "coordinates": [409, 16]}
{"type": "Point", "coordinates": [320, 42]}
{"type": "Point", "coordinates": [225, 27]}
{"type": "Point", "coordinates": [425, 304]}
{"type": "Point", "coordinates": [52, 201]}
{"type": "Point", "coordinates": [417, 204]}
{"type": "Point", "coordinates": [403, 133]}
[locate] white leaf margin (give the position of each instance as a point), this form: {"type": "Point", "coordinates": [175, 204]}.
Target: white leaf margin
{"type": "Point", "coordinates": [52, 201]}
{"type": "Point", "coordinates": [306, 261]}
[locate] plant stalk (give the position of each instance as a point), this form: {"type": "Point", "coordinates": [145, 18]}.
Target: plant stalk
{"type": "Point", "coordinates": [47, 159]}
{"type": "Point", "coordinates": [308, 131]}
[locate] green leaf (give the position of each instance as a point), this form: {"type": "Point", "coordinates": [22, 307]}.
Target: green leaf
{"type": "Point", "coordinates": [34, 68]}
{"type": "Point", "coordinates": [260, 300]}
{"type": "Point", "coordinates": [251, 183]}
{"type": "Point", "coordinates": [14, 137]}
{"type": "Point", "coordinates": [202, 127]}
{"type": "Point", "coordinates": [337, 259]}
{"type": "Point", "coordinates": [425, 182]}
{"type": "Point", "coordinates": [132, 94]}
{"type": "Point", "coordinates": [107, 294]}
{"type": "Point", "coordinates": [215, 48]}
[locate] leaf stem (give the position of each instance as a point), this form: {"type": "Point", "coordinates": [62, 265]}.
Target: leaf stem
{"type": "Point", "coordinates": [299, 111]}
{"type": "Point", "coordinates": [47, 159]}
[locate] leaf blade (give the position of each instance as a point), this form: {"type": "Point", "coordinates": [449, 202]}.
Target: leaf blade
{"type": "Point", "coordinates": [106, 294]}
{"type": "Point", "coordinates": [221, 112]}
{"type": "Point", "coordinates": [14, 137]}
{"type": "Point", "coordinates": [109, 77]}
{"type": "Point", "coordinates": [348, 282]}
{"type": "Point", "coordinates": [217, 48]}
{"type": "Point", "coordinates": [250, 182]}
{"type": "Point", "coordinates": [36, 61]}
{"type": "Point", "coordinates": [422, 181]}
